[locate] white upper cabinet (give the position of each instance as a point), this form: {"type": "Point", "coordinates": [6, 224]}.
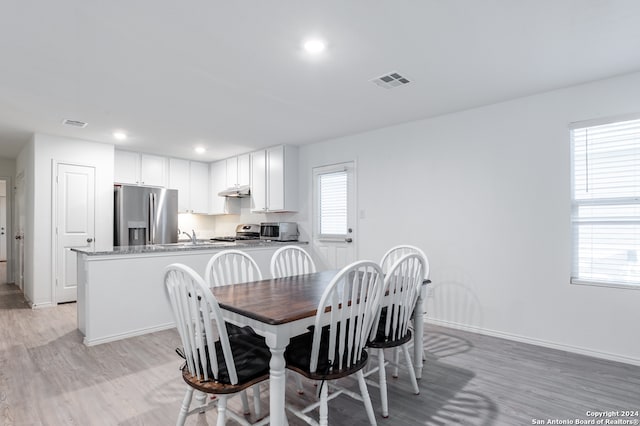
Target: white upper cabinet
{"type": "Point", "coordinates": [153, 170]}
{"type": "Point", "coordinates": [199, 187]}
{"type": "Point", "coordinates": [140, 169]}
{"type": "Point", "coordinates": [274, 179]}
{"type": "Point", "coordinates": [191, 179]}
{"type": "Point", "coordinates": [218, 182]}
{"type": "Point", "coordinates": [238, 170]}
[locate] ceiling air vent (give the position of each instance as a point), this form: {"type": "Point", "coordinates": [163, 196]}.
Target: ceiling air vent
{"type": "Point", "coordinates": [74, 123]}
{"type": "Point", "coordinates": [391, 80]}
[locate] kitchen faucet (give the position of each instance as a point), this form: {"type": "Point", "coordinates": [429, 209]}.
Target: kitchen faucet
{"type": "Point", "coordinates": [192, 237]}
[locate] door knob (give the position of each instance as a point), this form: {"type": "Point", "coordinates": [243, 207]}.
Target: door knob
{"type": "Point", "coordinates": [89, 240]}
{"type": "Point", "coordinates": [348, 240]}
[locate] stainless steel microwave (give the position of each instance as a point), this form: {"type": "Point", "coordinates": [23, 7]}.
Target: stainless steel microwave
{"type": "Point", "coordinates": [279, 231]}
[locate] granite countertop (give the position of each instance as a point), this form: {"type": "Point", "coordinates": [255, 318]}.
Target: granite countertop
{"type": "Point", "coordinates": [184, 246]}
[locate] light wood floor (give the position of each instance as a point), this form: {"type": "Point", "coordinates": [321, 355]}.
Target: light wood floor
{"type": "Point", "coordinates": [48, 377]}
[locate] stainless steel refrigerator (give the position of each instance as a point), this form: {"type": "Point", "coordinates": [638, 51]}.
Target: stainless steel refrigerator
{"type": "Point", "coordinates": [145, 215]}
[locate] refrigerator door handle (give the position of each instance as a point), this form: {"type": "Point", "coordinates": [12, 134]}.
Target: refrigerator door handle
{"type": "Point", "coordinates": [152, 219]}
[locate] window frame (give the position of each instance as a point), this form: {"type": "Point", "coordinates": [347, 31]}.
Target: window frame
{"type": "Point", "coordinates": [575, 220]}
{"type": "Point", "coordinates": [324, 170]}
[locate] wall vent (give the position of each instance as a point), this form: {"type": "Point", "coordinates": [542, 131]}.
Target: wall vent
{"type": "Point", "coordinates": [391, 80]}
{"type": "Point", "coordinates": [74, 123]}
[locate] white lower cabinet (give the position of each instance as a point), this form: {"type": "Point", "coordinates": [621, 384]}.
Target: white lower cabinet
{"type": "Point", "coordinates": [274, 179]}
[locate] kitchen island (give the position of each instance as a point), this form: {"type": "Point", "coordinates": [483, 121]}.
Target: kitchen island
{"type": "Point", "coordinates": [121, 291]}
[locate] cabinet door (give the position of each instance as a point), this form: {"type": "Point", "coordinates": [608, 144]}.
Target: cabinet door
{"type": "Point", "coordinates": [275, 178]}
{"type": "Point", "coordinates": [232, 172]}
{"type": "Point", "coordinates": [126, 167]}
{"type": "Point", "coordinates": [153, 170]}
{"type": "Point", "coordinates": [217, 182]}
{"type": "Point", "coordinates": [258, 181]}
{"type": "Point", "coordinates": [244, 169]}
{"type": "Point", "coordinates": [199, 187]}
{"type": "Point", "coordinates": [179, 179]}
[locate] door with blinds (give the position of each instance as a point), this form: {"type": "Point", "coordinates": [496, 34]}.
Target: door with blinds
{"type": "Point", "coordinates": [334, 220]}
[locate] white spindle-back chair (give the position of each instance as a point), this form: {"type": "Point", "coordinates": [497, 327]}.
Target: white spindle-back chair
{"type": "Point", "coordinates": [288, 261]}
{"type": "Point", "coordinates": [210, 353]}
{"type": "Point", "coordinates": [391, 257]}
{"type": "Point", "coordinates": [291, 260]}
{"type": "Point", "coordinates": [395, 253]}
{"type": "Point", "coordinates": [335, 347]}
{"type": "Point", "coordinates": [391, 328]}
{"type": "Point", "coordinates": [232, 267]}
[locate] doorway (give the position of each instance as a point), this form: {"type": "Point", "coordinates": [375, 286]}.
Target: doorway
{"type": "Point", "coordinates": [334, 214]}
{"type": "Point", "coordinates": [3, 231]}
{"type": "Point", "coordinates": [75, 225]}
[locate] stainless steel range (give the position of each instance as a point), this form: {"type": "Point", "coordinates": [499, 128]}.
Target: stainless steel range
{"type": "Point", "coordinates": [244, 232]}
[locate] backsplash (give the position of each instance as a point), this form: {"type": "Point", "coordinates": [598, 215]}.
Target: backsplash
{"type": "Point", "coordinates": [207, 226]}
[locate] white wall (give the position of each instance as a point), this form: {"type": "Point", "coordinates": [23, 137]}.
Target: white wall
{"type": "Point", "coordinates": [37, 158]}
{"type": "Point", "coordinates": [486, 193]}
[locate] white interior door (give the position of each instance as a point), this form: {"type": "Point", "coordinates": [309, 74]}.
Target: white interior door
{"type": "Point", "coordinates": [334, 217]}
{"type": "Point", "coordinates": [3, 228]}
{"type": "Point", "coordinates": [19, 233]}
{"type": "Point", "coordinates": [75, 220]}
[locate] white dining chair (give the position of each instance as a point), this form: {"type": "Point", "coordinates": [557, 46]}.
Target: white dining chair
{"type": "Point", "coordinates": [396, 252]}
{"type": "Point", "coordinates": [233, 267]}
{"type": "Point", "coordinates": [391, 328]}
{"type": "Point", "coordinates": [388, 259]}
{"type": "Point", "coordinates": [288, 261]}
{"type": "Point", "coordinates": [215, 362]}
{"type": "Point", "coordinates": [291, 260]}
{"type": "Point", "coordinates": [335, 348]}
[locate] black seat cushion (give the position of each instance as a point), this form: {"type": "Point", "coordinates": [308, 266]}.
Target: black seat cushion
{"type": "Point", "coordinates": [298, 357]}
{"type": "Point", "coordinates": [394, 339]}
{"type": "Point", "coordinates": [251, 357]}
{"type": "Point", "coordinates": [246, 330]}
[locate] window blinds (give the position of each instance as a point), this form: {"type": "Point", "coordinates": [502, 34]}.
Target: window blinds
{"type": "Point", "coordinates": [333, 203]}
{"type": "Point", "coordinates": [606, 203]}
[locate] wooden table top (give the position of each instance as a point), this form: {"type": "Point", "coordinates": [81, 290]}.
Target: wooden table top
{"type": "Point", "coordinates": [276, 300]}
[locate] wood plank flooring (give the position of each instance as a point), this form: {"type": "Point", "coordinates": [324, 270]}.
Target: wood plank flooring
{"type": "Point", "coordinates": [48, 377]}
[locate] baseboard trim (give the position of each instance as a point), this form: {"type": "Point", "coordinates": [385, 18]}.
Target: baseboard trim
{"type": "Point", "coordinates": [42, 305]}
{"type": "Point", "coordinates": [115, 337]}
{"type": "Point", "coordinates": [537, 342]}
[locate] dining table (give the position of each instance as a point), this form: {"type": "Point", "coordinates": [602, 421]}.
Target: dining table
{"type": "Point", "coordinates": [281, 308]}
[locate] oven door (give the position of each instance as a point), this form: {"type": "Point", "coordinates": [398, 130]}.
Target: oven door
{"type": "Point", "coordinates": [269, 231]}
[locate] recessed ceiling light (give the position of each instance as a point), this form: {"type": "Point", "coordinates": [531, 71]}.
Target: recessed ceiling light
{"type": "Point", "coordinates": [315, 46]}
{"type": "Point", "coordinates": [200, 149]}
{"type": "Point", "coordinates": [120, 136]}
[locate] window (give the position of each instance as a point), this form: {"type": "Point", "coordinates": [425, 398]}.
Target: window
{"type": "Point", "coordinates": [333, 202]}
{"type": "Point", "coordinates": [606, 204]}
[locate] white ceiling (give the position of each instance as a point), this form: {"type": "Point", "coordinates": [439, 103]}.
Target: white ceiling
{"type": "Point", "coordinates": [231, 75]}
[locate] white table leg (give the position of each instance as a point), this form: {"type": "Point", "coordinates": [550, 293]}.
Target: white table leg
{"type": "Point", "coordinates": [418, 328]}
{"type": "Point", "coordinates": [277, 382]}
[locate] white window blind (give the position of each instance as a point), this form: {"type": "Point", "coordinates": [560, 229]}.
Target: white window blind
{"type": "Point", "coordinates": [333, 203]}
{"type": "Point", "coordinates": [606, 204]}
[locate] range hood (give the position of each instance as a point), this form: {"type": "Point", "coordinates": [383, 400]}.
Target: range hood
{"type": "Point", "coordinates": [239, 191]}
